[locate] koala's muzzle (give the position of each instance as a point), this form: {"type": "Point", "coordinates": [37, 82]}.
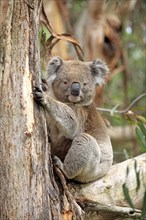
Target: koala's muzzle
{"type": "Point", "coordinates": [75, 89]}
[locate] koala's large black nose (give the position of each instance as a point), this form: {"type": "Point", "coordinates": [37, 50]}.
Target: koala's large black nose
{"type": "Point", "coordinates": [75, 89]}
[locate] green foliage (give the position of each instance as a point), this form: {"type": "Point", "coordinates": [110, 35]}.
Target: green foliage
{"type": "Point", "coordinates": [139, 182]}
{"type": "Point", "coordinates": [125, 187]}
{"type": "Point", "coordinates": [143, 214]}
{"type": "Point", "coordinates": [133, 45]}
{"type": "Point", "coordinates": [137, 173]}
{"type": "Point", "coordinates": [126, 154]}
{"type": "Point", "coordinates": [127, 195]}
{"type": "Point", "coordinates": [44, 31]}
{"type": "Point", "coordinates": [141, 136]}
{"type": "Point", "coordinates": [76, 7]}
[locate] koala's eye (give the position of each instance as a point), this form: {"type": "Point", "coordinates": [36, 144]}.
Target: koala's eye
{"type": "Point", "coordinates": [65, 82]}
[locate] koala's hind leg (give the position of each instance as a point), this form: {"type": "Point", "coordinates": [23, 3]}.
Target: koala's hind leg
{"type": "Point", "coordinates": [82, 158]}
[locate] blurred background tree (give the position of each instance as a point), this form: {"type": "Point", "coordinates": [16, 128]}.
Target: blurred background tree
{"type": "Point", "coordinates": [113, 30]}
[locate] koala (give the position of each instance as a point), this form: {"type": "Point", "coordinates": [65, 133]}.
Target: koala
{"type": "Point", "coordinates": [79, 136]}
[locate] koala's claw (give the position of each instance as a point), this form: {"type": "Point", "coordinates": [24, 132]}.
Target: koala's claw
{"type": "Point", "coordinates": [36, 88]}
{"type": "Point", "coordinates": [44, 85]}
{"type": "Point", "coordinates": [38, 94]}
{"type": "Point", "coordinates": [57, 162]}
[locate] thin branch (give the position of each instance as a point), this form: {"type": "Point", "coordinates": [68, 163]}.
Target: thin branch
{"type": "Point", "coordinates": [113, 110]}
{"type": "Point", "coordinates": [71, 200]}
{"type": "Point", "coordinates": [122, 212]}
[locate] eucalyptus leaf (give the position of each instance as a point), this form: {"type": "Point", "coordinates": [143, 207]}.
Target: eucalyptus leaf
{"type": "Point", "coordinates": [143, 214]}
{"type": "Point", "coordinates": [141, 138]}
{"type": "Point", "coordinates": [143, 129]}
{"type": "Point", "coordinates": [127, 195]}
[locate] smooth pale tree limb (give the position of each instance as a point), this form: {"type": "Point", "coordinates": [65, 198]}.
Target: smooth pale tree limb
{"type": "Point", "coordinates": [105, 196]}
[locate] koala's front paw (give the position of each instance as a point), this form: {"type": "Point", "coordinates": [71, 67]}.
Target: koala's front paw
{"type": "Point", "coordinates": [58, 162]}
{"type": "Point", "coordinates": [39, 95]}
{"type": "Point", "coordinates": [44, 85]}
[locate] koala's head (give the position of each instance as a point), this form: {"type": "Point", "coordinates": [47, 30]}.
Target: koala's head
{"type": "Point", "coordinates": [75, 81]}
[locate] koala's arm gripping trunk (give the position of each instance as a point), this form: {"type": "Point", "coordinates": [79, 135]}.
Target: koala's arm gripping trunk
{"type": "Point", "coordinates": [62, 115]}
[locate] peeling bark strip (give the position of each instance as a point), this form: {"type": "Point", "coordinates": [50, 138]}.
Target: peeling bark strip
{"type": "Point", "coordinates": [27, 186]}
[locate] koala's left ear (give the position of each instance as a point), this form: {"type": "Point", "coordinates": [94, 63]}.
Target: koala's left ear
{"type": "Point", "coordinates": [99, 70]}
{"type": "Point", "coordinates": [54, 65]}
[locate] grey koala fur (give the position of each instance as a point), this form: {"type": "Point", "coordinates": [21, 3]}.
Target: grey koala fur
{"type": "Point", "coordinates": [79, 136]}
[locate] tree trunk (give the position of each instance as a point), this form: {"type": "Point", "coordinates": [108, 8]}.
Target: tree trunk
{"type": "Point", "coordinates": [27, 186]}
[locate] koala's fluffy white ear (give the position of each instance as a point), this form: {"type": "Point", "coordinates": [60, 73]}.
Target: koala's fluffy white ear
{"type": "Point", "coordinates": [54, 65]}
{"type": "Point", "coordinates": [99, 69]}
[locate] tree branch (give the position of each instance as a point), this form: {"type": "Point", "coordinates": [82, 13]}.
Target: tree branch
{"type": "Point", "coordinates": [94, 197]}
{"type": "Point", "coordinates": [123, 212]}
{"type": "Point", "coordinates": [113, 110]}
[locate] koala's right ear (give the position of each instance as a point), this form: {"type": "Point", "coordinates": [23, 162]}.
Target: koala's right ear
{"type": "Point", "coordinates": [99, 70]}
{"type": "Point", "coordinates": [54, 65]}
